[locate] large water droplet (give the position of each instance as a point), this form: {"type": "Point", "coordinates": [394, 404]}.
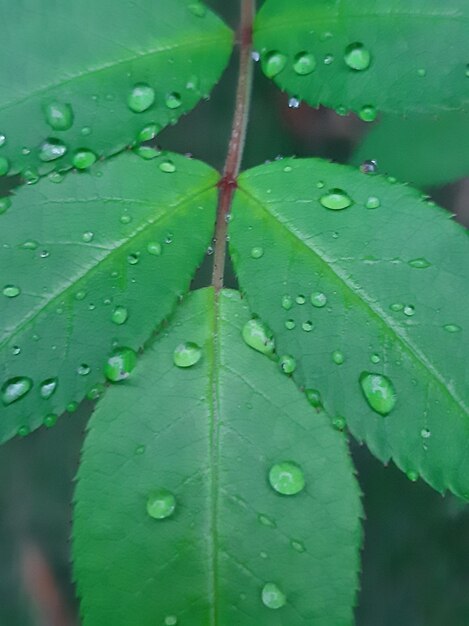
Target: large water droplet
{"type": "Point", "coordinates": [379, 392]}
{"type": "Point", "coordinates": [187, 354]}
{"type": "Point", "coordinates": [15, 388]}
{"type": "Point", "coordinates": [59, 115]}
{"type": "Point", "coordinates": [52, 149]}
{"type": "Point", "coordinates": [119, 365]}
{"type": "Point", "coordinates": [287, 478]}
{"type": "Point", "coordinates": [173, 100]}
{"type": "Point", "coordinates": [336, 200]}
{"type": "Point", "coordinates": [82, 159]}
{"type": "Point", "coordinates": [119, 315]}
{"type": "Point", "coordinates": [258, 336]}
{"type": "Point", "coordinates": [357, 57]}
{"type": "Point", "coordinates": [11, 291]}
{"type": "Point", "coordinates": [304, 63]}
{"type": "Point", "coordinates": [161, 504]}
{"type": "Point", "coordinates": [141, 98]}
{"type": "Point", "coordinates": [48, 387]}
{"type": "Point", "coordinates": [272, 596]}
{"type": "Point", "coordinates": [287, 364]}
{"type": "Point", "coordinates": [273, 63]}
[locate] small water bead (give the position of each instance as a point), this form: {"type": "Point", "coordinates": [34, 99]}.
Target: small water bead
{"type": "Point", "coordinates": [44, 254]}
{"type": "Point", "coordinates": [373, 203]}
{"type": "Point", "coordinates": [119, 365]}
{"type": "Point", "coordinates": [290, 324]}
{"type": "Point", "coordinates": [120, 315]}
{"type": "Point", "coordinates": [198, 9]}
{"type": "Point", "coordinates": [369, 167]}
{"type": "Point", "coordinates": [357, 57]}
{"type": "Point", "coordinates": [320, 184]}
{"type": "Point", "coordinates": [318, 299]}
{"type": "Point", "coordinates": [167, 166]}
{"type": "Point", "coordinates": [84, 369]}
{"type": "Point", "coordinates": [272, 596]}
{"type": "Point", "coordinates": [263, 555]}
{"type": "Point", "coordinates": [187, 354]}
{"type": "Point", "coordinates": [375, 358]}
{"type": "Point", "coordinates": [338, 357]}
{"type": "Point", "coordinates": [133, 258]}
{"type": "Point", "coordinates": [379, 392]}
{"type": "Point", "coordinates": [287, 168]}
{"type": "Point", "coordinates": [139, 450]}
{"type": "Point", "coordinates": [265, 520]}
{"type": "Point", "coordinates": [425, 433]}
{"type": "Point", "coordinates": [30, 176]}
{"type": "Point", "coordinates": [420, 263]}
{"type": "Point", "coordinates": [307, 326]}
{"type": "Point", "coordinates": [5, 204]}
{"type": "Point", "coordinates": [171, 620]}
{"type": "Point", "coordinates": [83, 159]}
{"type": "Point", "coordinates": [421, 72]}
{"type": "Point", "coordinates": [287, 302]}
{"type": "Point", "coordinates": [48, 387]}
{"type": "Point", "coordinates": [71, 407]}
{"type": "Point", "coordinates": [452, 328]}
{"type": "Point", "coordinates": [4, 166]}
{"type": "Point", "coordinates": [14, 389]}
{"type": "Point", "coordinates": [52, 149]}
{"type": "Point", "coordinates": [336, 200]}
{"type": "Point", "coordinates": [287, 364]}
{"type": "Point", "coordinates": [392, 180]}
{"type": "Point", "coordinates": [304, 63]}
{"type": "Point", "coordinates": [341, 110]}
{"type": "Point", "coordinates": [368, 113]}
{"type": "Point", "coordinates": [147, 153]}
{"type": "Point", "coordinates": [314, 398]}
{"type": "Point", "coordinates": [15, 350]}
{"type": "Point", "coordinates": [50, 420]}
{"type": "Point", "coordinates": [413, 476]}
{"type": "Point", "coordinates": [297, 546]}
{"type": "Point", "coordinates": [23, 431]}
{"type": "Point", "coordinates": [55, 177]}
{"type": "Point", "coordinates": [96, 392]}
{"type": "Point", "coordinates": [88, 236]}
{"type": "Point", "coordinates": [30, 244]}
{"type": "Point", "coordinates": [59, 115]}
{"type": "Point", "coordinates": [148, 132]}
{"type": "Point", "coordinates": [339, 423]}
{"type": "Point", "coordinates": [173, 100]}
{"type": "Point", "coordinates": [3, 139]}
{"type": "Point", "coordinates": [396, 307]}
{"type": "Point", "coordinates": [80, 295]}
{"type": "Point", "coordinates": [125, 219]}
{"type": "Point", "coordinates": [287, 478]}
{"type": "Point", "coordinates": [257, 252]}
{"type": "Point", "coordinates": [11, 291]}
{"type": "Point", "coordinates": [255, 56]}
{"type": "Point", "coordinates": [258, 336]}
{"type": "Point", "coordinates": [273, 63]}
{"type": "Point", "coordinates": [409, 310]}
{"type": "Point", "coordinates": [141, 98]}
{"type": "Point", "coordinates": [161, 504]}
{"type": "Point", "coordinates": [328, 59]}
{"type": "Point", "coordinates": [294, 102]}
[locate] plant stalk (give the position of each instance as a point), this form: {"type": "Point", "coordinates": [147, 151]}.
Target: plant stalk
{"type": "Point", "coordinates": [228, 184]}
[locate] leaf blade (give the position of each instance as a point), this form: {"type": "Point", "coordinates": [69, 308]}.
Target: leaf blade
{"type": "Point", "coordinates": [224, 565]}
{"type": "Point", "coordinates": [392, 304]}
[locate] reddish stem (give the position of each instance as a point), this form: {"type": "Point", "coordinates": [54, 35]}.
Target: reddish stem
{"type": "Point", "coordinates": [227, 184]}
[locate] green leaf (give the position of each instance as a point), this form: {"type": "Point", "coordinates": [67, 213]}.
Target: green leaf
{"type": "Point", "coordinates": [424, 150]}
{"type": "Point", "coordinates": [95, 77]}
{"type": "Point", "coordinates": [89, 265]}
{"type": "Point", "coordinates": [367, 56]}
{"type": "Point", "coordinates": [197, 444]}
{"type": "Point", "coordinates": [352, 291]}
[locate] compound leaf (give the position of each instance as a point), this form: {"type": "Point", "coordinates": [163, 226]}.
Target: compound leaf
{"type": "Point", "coordinates": [367, 56]}
{"type": "Point", "coordinates": [176, 519]}
{"type": "Point", "coordinates": [365, 283]}
{"type": "Point", "coordinates": [86, 79]}
{"type": "Point", "coordinates": [93, 263]}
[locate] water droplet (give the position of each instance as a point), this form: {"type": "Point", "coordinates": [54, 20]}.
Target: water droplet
{"type": "Point", "coordinates": [120, 315]}
{"type": "Point", "coordinates": [272, 597]}
{"type": "Point", "coordinates": [368, 113]}
{"type": "Point", "coordinates": [199, 10]}
{"type": "Point", "coordinates": [357, 57]}
{"type": "Point", "coordinates": [300, 299]}
{"type": "Point", "coordinates": [59, 115]}
{"type": "Point", "coordinates": [55, 177]}
{"type": "Point", "coordinates": [50, 420]}
{"type": "Point", "coordinates": [4, 166]}
{"type": "Point", "coordinates": [341, 110]}
{"type": "Point", "coordinates": [467, 70]}
{"type": "Point", "coordinates": [141, 98]}
{"type": "Point", "coordinates": [23, 431]}
{"type": "Point", "coordinates": [80, 295]}
{"type": "Point", "coordinates": [171, 620]}
{"type": "Point", "coordinates": [287, 168]}
{"type": "Point", "coordinates": [255, 56]}
{"type": "Point", "coordinates": [287, 364]}
{"type": "Point", "coordinates": [5, 204]}
{"type": "Point", "coordinates": [420, 263]}
{"type": "Point", "coordinates": [375, 358]}
{"type": "Point", "coordinates": [3, 139]}
{"type": "Point", "coordinates": [452, 328]}
{"type": "Point", "coordinates": [339, 423]}
{"type": "Point", "coordinates": [148, 132]}
{"type": "Point", "coordinates": [15, 388]}
{"type": "Point", "coordinates": [396, 307]}
{"type": "Point", "coordinates": [82, 159]}
{"type": "Point", "coordinates": [409, 310]}
{"type": "Point", "coordinates": [336, 200]}
{"type": "Point", "coordinates": [167, 166]}
{"type": "Point", "coordinates": [187, 354]}
{"type": "Point", "coordinates": [147, 153]}
{"type": "Point", "coordinates": [392, 180]}
{"type": "Point", "coordinates": [258, 336]}
{"type": "Point", "coordinates": [140, 450]}
{"type": "Point", "coordinates": [257, 252]}
{"type": "Point", "coordinates": [30, 176]}
{"type": "Point", "coordinates": [273, 63]}
{"type": "Point", "coordinates": [87, 237]}
{"type": "Point", "coordinates": [263, 555]}
{"type": "Point", "coordinates": [48, 387]}
{"type": "Point", "coordinates": [161, 504]}
{"type": "Point", "coordinates": [287, 302]}
{"type": "Point", "coordinates": [265, 520]}
{"type": "Point", "coordinates": [425, 433]}
{"type": "Point", "coordinates": [413, 476]}
{"type": "Point", "coordinates": [15, 350]}
{"type": "Point", "coordinates": [373, 203]}
{"type": "Point", "coordinates": [294, 103]}
{"type": "Point", "coordinates": [297, 546]}
{"type": "Point", "coordinates": [51, 149]}
{"type": "Point", "coordinates": [369, 167]}
{"type": "Point", "coordinates": [328, 59]}
{"type": "Point", "coordinates": [71, 407]}
{"type": "Point", "coordinates": [96, 392]}
{"type": "Point", "coordinates": [314, 398]}
{"type": "Point", "coordinates": [173, 100]}
{"type": "Point", "coordinates": [338, 357]}
{"type": "Point", "coordinates": [318, 299]}
{"type": "Point", "coordinates": [11, 291]}
{"type": "Point", "coordinates": [133, 258]}
{"type": "Point", "coordinates": [83, 369]}
{"type": "Point", "coordinates": [119, 365]}
{"type": "Point", "coordinates": [379, 392]}
{"type": "Point", "coordinates": [287, 478]}
{"type": "Point", "coordinates": [304, 63]}
{"type": "Point", "coordinates": [307, 326]}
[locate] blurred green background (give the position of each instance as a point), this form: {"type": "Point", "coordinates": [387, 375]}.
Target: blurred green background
{"type": "Point", "coordinates": [416, 551]}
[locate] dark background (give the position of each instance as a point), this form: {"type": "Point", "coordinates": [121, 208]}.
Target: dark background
{"type": "Point", "coordinates": [416, 552]}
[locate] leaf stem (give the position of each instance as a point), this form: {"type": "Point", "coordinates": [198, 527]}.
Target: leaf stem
{"type": "Point", "coordinates": [228, 184]}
